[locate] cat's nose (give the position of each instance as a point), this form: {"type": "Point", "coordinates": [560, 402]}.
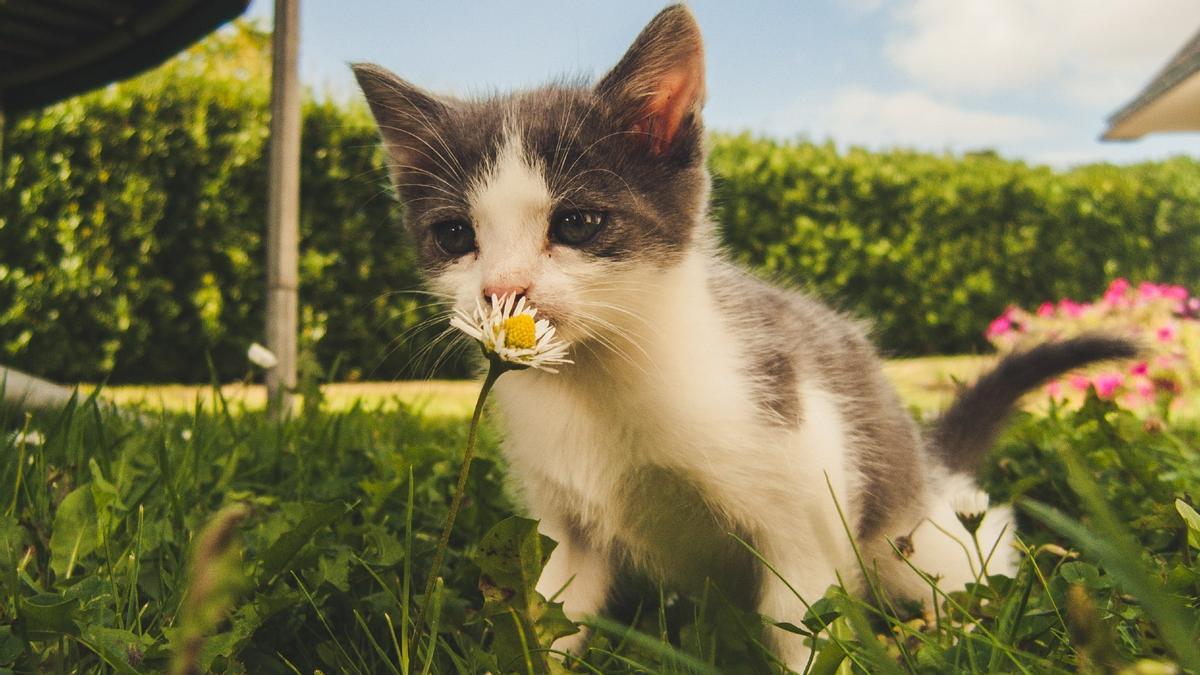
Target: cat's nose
{"type": "Point", "coordinates": [502, 290]}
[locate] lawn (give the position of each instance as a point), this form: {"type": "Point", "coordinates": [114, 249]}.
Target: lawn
{"type": "Point", "coordinates": [323, 527]}
{"type": "Point", "coordinates": [927, 384]}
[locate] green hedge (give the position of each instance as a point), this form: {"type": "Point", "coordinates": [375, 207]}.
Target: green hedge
{"type": "Point", "coordinates": [932, 247]}
{"type": "Point", "coordinates": [131, 228]}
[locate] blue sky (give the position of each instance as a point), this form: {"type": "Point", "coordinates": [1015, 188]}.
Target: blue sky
{"type": "Point", "coordinates": [1033, 79]}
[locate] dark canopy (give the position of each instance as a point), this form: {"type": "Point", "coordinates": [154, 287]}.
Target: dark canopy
{"type": "Point", "coordinates": [53, 49]}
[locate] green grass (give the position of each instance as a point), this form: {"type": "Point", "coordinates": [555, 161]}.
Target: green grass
{"type": "Point", "coordinates": [324, 526]}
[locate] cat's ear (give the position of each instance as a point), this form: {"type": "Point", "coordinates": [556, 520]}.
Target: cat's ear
{"type": "Point", "coordinates": [406, 115]}
{"type": "Point", "coordinates": [658, 86]}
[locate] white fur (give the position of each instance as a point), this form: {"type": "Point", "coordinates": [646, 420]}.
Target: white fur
{"type": "Point", "coordinates": [944, 550]}
{"type": "Point", "coordinates": [510, 206]}
{"type": "Point", "coordinates": [661, 384]}
{"type": "Point", "coordinates": [684, 403]}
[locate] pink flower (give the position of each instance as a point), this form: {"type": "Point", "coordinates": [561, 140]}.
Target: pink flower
{"type": "Point", "coordinates": [1149, 291]}
{"type": "Point", "coordinates": [1165, 361]}
{"type": "Point", "coordinates": [1115, 295]}
{"type": "Point", "coordinates": [1167, 333]}
{"type": "Point", "coordinates": [1080, 382]}
{"type": "Point", "coordinates": [999, 327]}
{"type": "Point", "coordinates": [1193, 305]}
{"type": "Point", "coordinates": [1071, 308]}
{"type": "Point", "coordinates": [1054, 388]}
{"type": "Point", "coordinates": [1107, 384]}
{"type": "Point", "coordinates": [1144, 387]}
{"type": "Point", "coordinates": [1140, 368]}
{"type": "Point", "coordinates": [1045, 309]}
{"type": "Point", "coordinates": [1174, 292]}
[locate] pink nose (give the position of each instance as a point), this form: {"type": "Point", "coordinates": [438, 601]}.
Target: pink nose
{"type": "Point", "coordinates": [502, 290]}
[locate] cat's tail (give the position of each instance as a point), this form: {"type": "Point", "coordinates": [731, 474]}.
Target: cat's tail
{"type": "Point", "coordinates": [964, 433]}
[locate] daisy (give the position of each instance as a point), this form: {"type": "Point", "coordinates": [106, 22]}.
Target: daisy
{"type": "Point", "coordinates": [969, 507]}
{"type": "Point", "coordinates": [262, 357]}
{"type": "Point", "coordinates": [509, 331]}
{"type": "Point", "coordinates": [512, 338]}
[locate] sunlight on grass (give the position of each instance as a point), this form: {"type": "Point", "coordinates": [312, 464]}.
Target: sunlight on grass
{"type": "Point", "coordinates": [431, 398]}
{"type": "Point", "coordinates": [926, 384]}
{"type": "Point", "coordinates": [929, 383]}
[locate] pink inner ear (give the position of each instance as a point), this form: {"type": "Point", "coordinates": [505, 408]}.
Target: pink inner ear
{"type": "Point", "coordinates": [677, 93]}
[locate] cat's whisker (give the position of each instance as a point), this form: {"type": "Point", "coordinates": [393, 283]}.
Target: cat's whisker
{"type": "Point", "coordinates": [555, 156]}
{"type": "Point", "coordinates": [436, 159]}
{"type": "Point", "coordinates": [640, 319]}
{"type": "Point", "coordinates": [608, 340]}
{"type": "Point", "coordinates": [615, 350]}
{"type": "Point", "coordinates": [371, 171]}
{"type": "Point", "coordinates": [399, 341]}
{"type": "Point", "coordinates": [428, 126]}
{"type": "Point", "coordinates": [596, 142]}
{"type": "Point", "coordinates": [452, 196]}
{"type": "Point", "coordinates": [579, 126]}
{"type": "Point", "coordinates": [578, 178]}
{"type": "Point", "coordinates": [415, 365]}
{"type": "Point", "coordinates": [456, 343]}
{"type": "Point", "coordinates": [629, 332]}
{"type": "Point", "coordinates": [392, 165]}
{"type": "Point", "coordinates": [440, 315]}
{"type": "Point", "coordinates": [443, 297]}
{"type": "Point", "coordinates": [443, 200]}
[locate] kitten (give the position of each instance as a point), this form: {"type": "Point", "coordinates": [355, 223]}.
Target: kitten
{"type": "Point", "coordinates": [702, 401]}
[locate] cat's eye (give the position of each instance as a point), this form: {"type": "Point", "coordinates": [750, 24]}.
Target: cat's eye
{"type": "Point", "coordinates": [574, 228]}
{"type": "Point", "coordinates": [454, 237]}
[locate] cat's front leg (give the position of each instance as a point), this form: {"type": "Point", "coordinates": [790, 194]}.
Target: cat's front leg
{"type": "Point", "coordinates": [579, 574]}
{"type": "Point", "coordinates": [802, 580]}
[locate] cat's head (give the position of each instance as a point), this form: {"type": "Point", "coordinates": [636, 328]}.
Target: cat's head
{"type": "Point", "coordinates": [575, 196]}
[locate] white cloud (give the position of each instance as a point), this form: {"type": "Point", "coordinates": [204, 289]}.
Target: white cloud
{"type": "Point", "coordinates": [858, 115]}
{"type": "Point", "coordinates": [915, 119]}
{"type": "Point", "coordinates": [1094, 51]}
{"type": "Point", "coordinates": [862, 6]}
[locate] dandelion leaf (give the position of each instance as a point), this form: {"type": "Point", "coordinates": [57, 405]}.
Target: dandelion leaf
{"type": "Point", "coordinates": [74, 535]}
{"type": "Point", "coordinates": [511, 557]}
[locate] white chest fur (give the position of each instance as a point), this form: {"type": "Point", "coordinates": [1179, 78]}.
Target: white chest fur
{"type": "Point", "coordinates": [664, 452]}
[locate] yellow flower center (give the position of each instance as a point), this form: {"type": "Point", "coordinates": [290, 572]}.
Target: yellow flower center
{"type": "Point", "coordinates": [519, 332]}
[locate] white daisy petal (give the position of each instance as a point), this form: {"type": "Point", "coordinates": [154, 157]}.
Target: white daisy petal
{"type": "Point", "coordinates": [462, 324]}
{"type": "Point", "coordinates": [971, 502]}
{"type": "Point", "coordinates": [489, 325]}
{"type": "Point", "coordinates": [261, 356]}
{"type": "Point", "coordinates": [970, 506]}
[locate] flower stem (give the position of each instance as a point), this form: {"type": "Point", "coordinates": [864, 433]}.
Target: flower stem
{"type": "Point", "coordinates": [493, 374]}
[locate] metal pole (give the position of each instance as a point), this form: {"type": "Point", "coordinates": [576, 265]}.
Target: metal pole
{"type": "Point", "coordinates": [283, 207]}
{"type": "Point", "coordinates": [3, 169]}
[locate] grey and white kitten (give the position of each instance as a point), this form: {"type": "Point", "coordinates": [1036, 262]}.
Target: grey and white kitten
{"type": "Point", "coordinates": [702, 401]}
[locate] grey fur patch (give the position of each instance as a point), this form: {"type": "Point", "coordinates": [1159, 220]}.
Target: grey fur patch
{"type": "Point", "coordinates": [778, 391]}
{"type": "Point", "coordinates": [821, 345]}
{"type": "Point", "coordinates": [762, 319]}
